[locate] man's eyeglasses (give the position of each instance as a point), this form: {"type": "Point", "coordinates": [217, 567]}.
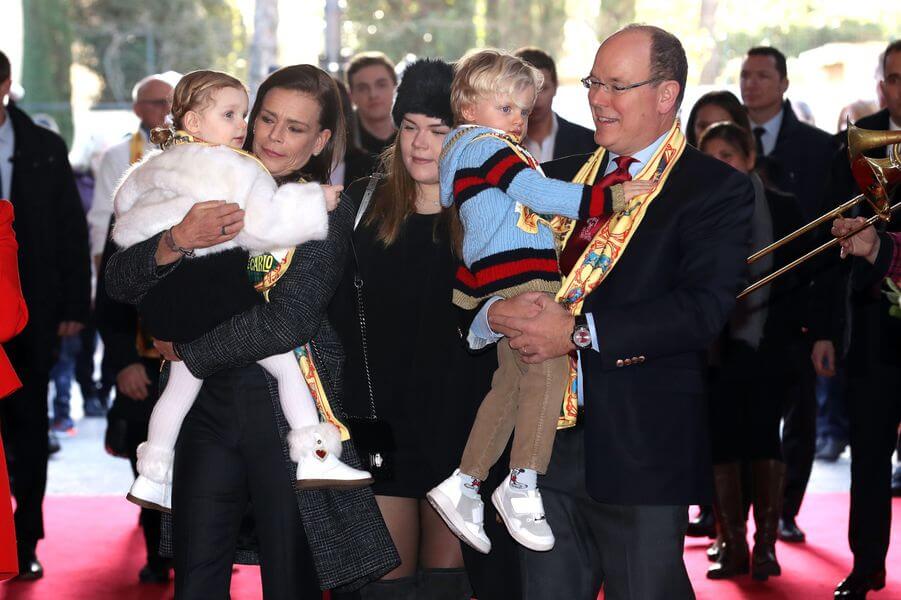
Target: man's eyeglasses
{"type": "Point", "coordinates": [158, 103]}
{"type": "Point", "coordinates": [592, 83]}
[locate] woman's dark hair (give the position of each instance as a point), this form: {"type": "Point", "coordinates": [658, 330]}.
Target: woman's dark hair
{"type": "Point", "coordinates": [320, 86]}
{"type": "Point", "coordinates": [725, 100]}
{"type": "Point", "coordinates": [732, 134]}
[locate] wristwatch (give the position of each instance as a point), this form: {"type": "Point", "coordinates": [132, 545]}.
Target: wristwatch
{"type": "Point", "coordinates": [581, 336]}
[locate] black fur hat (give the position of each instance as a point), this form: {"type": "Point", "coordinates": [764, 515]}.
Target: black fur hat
{"type": "Point", "coordinates": [425, 89]}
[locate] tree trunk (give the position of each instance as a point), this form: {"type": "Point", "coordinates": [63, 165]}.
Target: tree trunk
{"type": "Point", "coordinates": [708, 23]}
{"type": "Point", "coordinates": [47, 60]}
{"type": "Point", "coordinates": [264, 47]}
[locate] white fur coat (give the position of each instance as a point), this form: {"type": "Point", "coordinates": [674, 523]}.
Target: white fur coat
{"type": "Point", "coordinates": [158, 191]}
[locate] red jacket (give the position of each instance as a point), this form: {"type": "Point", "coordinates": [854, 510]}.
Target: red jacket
{"type": "Point", "coordinates": [13, 316]}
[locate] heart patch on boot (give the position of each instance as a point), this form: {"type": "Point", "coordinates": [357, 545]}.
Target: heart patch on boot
{"type": "Point", "coordinates": [321, 454]}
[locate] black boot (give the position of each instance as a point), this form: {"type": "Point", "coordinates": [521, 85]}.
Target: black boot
{"type": "Point", "coordinates": [704, 525]}
{"type": "Point", "coordinates": [443, 584]}
{"type": "Point", "coordinates": [769, 481]}
{"type": "Point", "coordinates": [30, 568]}
{"type": "Point", "coordinates": [402, 588]}
{"type": "Point", "coordinates": [856, 585]}
{"type": "Point", "coordinates": [733, 557]}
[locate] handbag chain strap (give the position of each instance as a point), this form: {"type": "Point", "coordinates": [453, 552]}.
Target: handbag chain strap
{"type": "Point", "coordinates": [358, 284]}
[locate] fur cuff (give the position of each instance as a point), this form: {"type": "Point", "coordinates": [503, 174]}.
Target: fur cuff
{"type": "Point", "coordinates": [294, 215]}
{"type": "Point", "coordinates": [155, 463]}
{"type": "Point", "coordinates": [304, 440]}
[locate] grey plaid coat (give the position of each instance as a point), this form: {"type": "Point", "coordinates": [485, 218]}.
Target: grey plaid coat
{"type": "Point", "coordinates": [348, 539]}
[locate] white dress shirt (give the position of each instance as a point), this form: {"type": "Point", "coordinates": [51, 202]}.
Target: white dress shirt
{"type": "Point", "coordinates": [7, 147]}
{"type": "Point", "coordinates": [113, 164]}
{"type": "Point", "coordinates": [770, 131]}
{"type": "Point", "coordinates": [543, 151]}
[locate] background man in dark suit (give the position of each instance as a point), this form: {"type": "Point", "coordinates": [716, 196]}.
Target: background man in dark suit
{"type": "Point", "coordinates": [549, 136]}
{"type": "Point", "coordinates": [619, 484]}
{"type": "Point", "coordinates": [873, 365]}
{"type": "Point", "coordinates": [797, 159]}
{"type": "Point", "coordinates": [56, 281]}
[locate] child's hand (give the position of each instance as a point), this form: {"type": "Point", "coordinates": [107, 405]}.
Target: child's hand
{"type": "Point", "coordinates": [637, 188]}
{"type": "Point", "coordinates": [332, 196]}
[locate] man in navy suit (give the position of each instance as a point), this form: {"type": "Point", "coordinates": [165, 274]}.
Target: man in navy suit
{"type": "Point", "coordinates": [619, 484]}
{"type": "Point", "coordinates": [549, 136]}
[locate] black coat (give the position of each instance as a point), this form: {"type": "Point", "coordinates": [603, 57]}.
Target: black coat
{"type": "Point", "coordinates": [54, 263]}
{"type": "Point", "coordinates": [873, 335]}
{"type": "Point", "coordinates": [425, 383]}
{"type": "Point", "coordinates": [572, 139]}
{"type": "Point", "coordinates": [801, 162]}
{"type": "Point", "coordinates": [788, 294]}
{"type": "Point", "coordinates": [667, 299]}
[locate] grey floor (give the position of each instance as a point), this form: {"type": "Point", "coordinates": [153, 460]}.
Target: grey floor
{"type": "Point", "coordinates": [83, 467]}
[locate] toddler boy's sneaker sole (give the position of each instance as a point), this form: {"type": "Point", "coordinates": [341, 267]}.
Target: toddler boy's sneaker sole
{"type": "Point", "coordinates": [445, 508]}
{"type": "Point", "coordinates": [512, 523]}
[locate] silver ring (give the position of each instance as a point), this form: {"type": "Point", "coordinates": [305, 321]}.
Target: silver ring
{"type": "Point", "coordinates": [223, 230]}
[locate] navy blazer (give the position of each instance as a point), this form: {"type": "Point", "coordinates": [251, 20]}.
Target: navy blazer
{"type": "Point", "coordinates": [572, 139]}
{"type": "Point", "coordinates": [801, 162]}
{"type": "Point", "coordinates": [657, 312]}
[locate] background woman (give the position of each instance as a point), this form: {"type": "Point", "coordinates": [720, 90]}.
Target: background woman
{"type": "Point", "coordinates": [425, 385]}
{"type": "Point", "coordinates": [337, 538]}
{"type": "Point", "coordinates": [748, 391]}
{"type": "Point", "coordinates": [712, 107]}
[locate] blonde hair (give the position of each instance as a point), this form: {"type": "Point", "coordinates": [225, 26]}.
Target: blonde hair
{"type": "Point", "coordinates": [489, 73]}
{"type": "Point", "coordinates": [195, 92]}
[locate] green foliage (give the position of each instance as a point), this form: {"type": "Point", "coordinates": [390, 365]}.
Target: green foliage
{"type": "Point", "coordinates": [47, 60]}
{"type": "Point", "coordinates": [614, 15]}
{"type": "Point", "coordinates": [125, 40]}
{"type": "Point", "coordinates": [513, 24]}
{"type": "Point", "coordinates": [793, 39]}
{"type": "Point", "coordinates": [448, 28]}
{"type": "Point", "coordinates": [437, 28]}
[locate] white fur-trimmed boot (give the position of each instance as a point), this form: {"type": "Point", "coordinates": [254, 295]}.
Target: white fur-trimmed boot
{"type": "Point", "coordinates": [316, 450]}
{"type": "Point", "coordinates": [153, 486]}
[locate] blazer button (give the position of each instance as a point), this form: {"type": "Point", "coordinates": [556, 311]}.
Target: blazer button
{"type": "Point", "coordinates": [628, 362]}
{"type": "Point", "coordinates": [620, 363]}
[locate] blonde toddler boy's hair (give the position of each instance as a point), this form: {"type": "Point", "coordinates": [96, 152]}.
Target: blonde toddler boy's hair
{"type": "Point", "coordinates": [195, 92]}
{"type": "Point", "coordinates": [490, 73]}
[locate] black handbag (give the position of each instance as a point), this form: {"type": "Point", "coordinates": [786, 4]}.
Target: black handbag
{"type": "Point", "coordinates": [372, 436]}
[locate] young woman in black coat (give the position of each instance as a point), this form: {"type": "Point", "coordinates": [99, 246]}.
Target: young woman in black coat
{"type": "Point", "coordinates": [425, 385]}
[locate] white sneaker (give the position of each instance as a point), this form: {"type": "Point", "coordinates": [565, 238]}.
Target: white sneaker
{"type": "Point", "coordinates": [151, 494]}
{"type": "Point", "coordinates": [462, 514]}
{"type": "Point", "coordinates": [523, 514]}
{"type": "Point", "coordinates": [316, 449]}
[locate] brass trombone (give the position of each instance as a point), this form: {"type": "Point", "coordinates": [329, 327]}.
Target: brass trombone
{"type": "Point", "coordinates": [877, 177]}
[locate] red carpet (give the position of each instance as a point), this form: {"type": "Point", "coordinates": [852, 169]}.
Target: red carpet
{"type": "Point", "coordinates": [94, 551]}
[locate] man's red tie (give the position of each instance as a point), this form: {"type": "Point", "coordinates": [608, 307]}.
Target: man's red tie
{"type": "Point", "coordinates": [585, 231]}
